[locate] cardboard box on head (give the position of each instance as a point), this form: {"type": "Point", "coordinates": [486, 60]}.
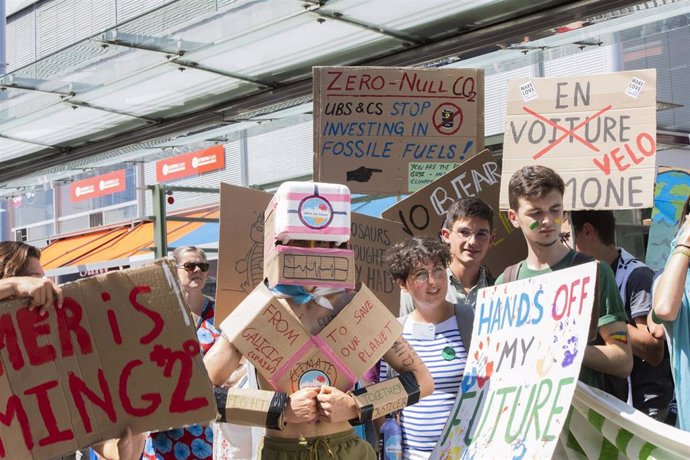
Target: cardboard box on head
{"type": "Point", "coordinates": [305, 226]}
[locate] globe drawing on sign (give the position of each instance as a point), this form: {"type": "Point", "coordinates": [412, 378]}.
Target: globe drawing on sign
{"type": "Point", "coordinates": [671, 191]}
{"type": "Point", "coordinates": [315, 212]}
{"type": "Point", "coordinates": [313, 378]}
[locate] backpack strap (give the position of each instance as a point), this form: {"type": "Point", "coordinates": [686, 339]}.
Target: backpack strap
{"type": "Point", "coordinates": [511, 272]}
{"type": "Point", "coordinates": [465, 318]}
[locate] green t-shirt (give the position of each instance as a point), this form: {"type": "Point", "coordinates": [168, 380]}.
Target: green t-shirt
{"type": "Point", "coordinates": [611, 309]}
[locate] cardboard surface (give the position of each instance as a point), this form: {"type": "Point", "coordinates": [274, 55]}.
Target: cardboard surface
{"type": "Point", "coordinates": [240, 246]}
{"type": "Point", "coordinates": [371, 237]}
{"type": "Point", "coordinates": [121, 352]}
{"type": "Point", "coordinates": [528, 343]}
{"type": "Point", "coordinates": [241, 249]}
{"type": "Point", "coordinates": [597, 131]}
{"type": "Point", "coordinates": [371, 122]}
{"type": "Point", "coordinates": [424, 212]}
{"type": "Point", "coordinates": [310, 266]}
{"type": "Point", "coordinates": [267, 332]}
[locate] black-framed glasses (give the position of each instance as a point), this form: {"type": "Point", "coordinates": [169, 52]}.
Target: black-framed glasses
{"type": "Point", "coordinates": [191, 266]}
{"type": "Point", "coordinates": [465, 234]}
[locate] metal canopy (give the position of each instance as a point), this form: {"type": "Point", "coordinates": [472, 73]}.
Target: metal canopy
{"type": "Point", "coordinates": [193, 65]}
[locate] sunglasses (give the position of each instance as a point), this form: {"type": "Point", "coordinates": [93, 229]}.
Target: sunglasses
{"type": "Point", "coordinates": [191, 266]}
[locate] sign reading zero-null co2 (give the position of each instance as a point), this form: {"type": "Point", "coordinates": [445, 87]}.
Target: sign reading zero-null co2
{"type": "Point", "coordinates": [372, 125]}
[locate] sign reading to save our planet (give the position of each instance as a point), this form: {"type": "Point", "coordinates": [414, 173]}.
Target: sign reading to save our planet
{"type": "Point", "coordinates": [377, 129]}
{"type": "Point", "coordinates": [527, 347]}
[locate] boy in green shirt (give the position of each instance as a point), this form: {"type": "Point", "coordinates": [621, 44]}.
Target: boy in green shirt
{"type": "Point", "coordinates": [535, 195]}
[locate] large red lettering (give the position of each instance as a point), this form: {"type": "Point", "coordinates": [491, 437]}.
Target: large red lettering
{"type": "Point", "coordinates": [153, 398]}
{"type": "Point", "coordinates": [14, 409]}
{"type": "Point", "coordinates": [69, 320]}
{"type": "Point", "coordinates": [31, 326]}
{"type": "Point", "coordinates": [78, 388]}
{"type": "Point", "coordinates": [167, 358]}
{"type": "Point", "coordinates": [47, 414]}
{"type": "Point", "coordinates": [153, 315]}
{"type": "Point", "coordinates": [8, 339]}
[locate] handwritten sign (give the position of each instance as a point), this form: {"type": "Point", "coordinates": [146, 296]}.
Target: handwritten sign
{"type": "Point", "coordinates": [241, 249]}
{"type": "Point", "coordinates": [371, 237]}
{"type": "Point", "coordinates": [422, 174]}
{"type": "Point", "coordinates": [424, 212]}
{"type": "Point", "coordinates": [121, 352]}
{"type": "Point", "coordinates": [371, 122]}
{"type": "Point", "coordinates": [240, 246]}
{"type": "Point", "coordinates": [267, 332]}
{"type": "Point", "coordinates": [527, 347]}
{"type": "Point", "coordinates": [671, 190]}
{"type": "Point", "coordinates": [597, 131]}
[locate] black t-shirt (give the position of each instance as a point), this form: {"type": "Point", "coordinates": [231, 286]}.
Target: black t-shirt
{"type": "Point", "coordinates": [652, 386]}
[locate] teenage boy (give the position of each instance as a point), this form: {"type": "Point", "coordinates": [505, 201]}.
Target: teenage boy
{"type": "Point", "coordinates": [468, 231]}
{"type": "Point", "coordinates": [593, 233]}
{"type": "Point", "coordinates": [535, 195]}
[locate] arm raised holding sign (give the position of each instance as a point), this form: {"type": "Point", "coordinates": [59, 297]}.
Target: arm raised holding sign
{"type": "Point", "coordinates": [21, 275]}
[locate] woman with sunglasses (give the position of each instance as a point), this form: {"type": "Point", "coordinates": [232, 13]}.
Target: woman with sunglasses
{"type": "Point", "coordinates": [418, 266]}
{"type": "Point", "coordinates": [195, 441]}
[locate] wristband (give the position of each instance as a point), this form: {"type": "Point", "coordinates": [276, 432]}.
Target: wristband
{"type": "Point", "coordinates": [656, 319]}
{"type": "Point", "coordinates": [682, 251]}
{"type": "Point", "coordinates": [683, 245]}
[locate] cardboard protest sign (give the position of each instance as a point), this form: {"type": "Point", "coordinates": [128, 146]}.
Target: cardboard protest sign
{"type": "Point", "coordinates": [377, 128]}
{"type": "Point", "coordinates": [267, 332]}
{"type": "Point", "coordinates": [371, 237]}
{"type": "Point", "coordinates": [423, 212]}
{"type": "Point", "coordinates": [597, 131]}
{"type": "Point", "coordinates": [122, 352]}
{"type": "Point", "coordinates": [671, 190]}
{"type": "Point", "coordinates": [241, 249]}
{"type": "Point", "coordinates": [527, 348]}
{"type": "Point", "coordinates": [240, 246]}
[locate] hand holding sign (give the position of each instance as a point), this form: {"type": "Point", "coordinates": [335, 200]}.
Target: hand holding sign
{"type": "Point", "coordinates": [335, 405]}
{"type": "Point", "coordinates": [361, 174]}
{"type": "Point", "coordinates": [42, 292]}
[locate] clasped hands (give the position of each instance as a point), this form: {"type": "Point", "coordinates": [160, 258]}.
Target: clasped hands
{"type": "Point", "coordinates": [320, 404]}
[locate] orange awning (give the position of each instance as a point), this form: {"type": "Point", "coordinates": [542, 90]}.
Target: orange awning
{"type": "Point", "coordinates": [115, 245]}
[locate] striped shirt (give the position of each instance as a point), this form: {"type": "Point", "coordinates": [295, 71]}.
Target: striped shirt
{"type": "Point", "coordinates": [423, 422]}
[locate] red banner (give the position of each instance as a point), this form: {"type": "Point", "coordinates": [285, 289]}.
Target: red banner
{"type": "Point", "coordinates": [98, 186]}
{"type": "Point", "coordinates": [190, 164]}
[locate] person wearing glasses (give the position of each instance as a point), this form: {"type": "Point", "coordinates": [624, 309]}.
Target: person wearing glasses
{"type": "Point", "coordinates": [419, 266]}
{"type": "Point", "coordinates": [468, 231]}
{"type": "Point", "coordinates": [194, 441]}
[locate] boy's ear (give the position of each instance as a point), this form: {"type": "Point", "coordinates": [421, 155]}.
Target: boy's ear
{"type": "Point", "coordinates": [512, 216]}
{"type": "Point", "coordinates": [445, 235]}
{"type": "Point", "coordinates": [401, 285]}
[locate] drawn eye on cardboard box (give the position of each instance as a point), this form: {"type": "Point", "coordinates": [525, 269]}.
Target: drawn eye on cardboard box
{"type": "Point", "coordinates": [267, 332]}
{"type": "Point", "coordinates": [315, 215]}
